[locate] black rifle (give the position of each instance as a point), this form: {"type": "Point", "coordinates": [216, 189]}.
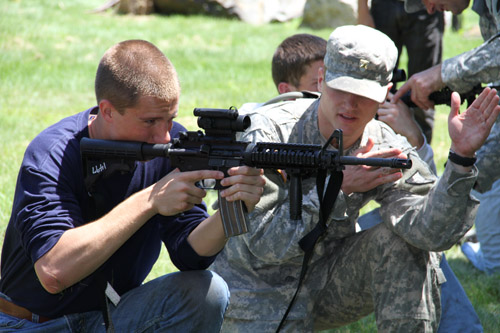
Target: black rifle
{"type": "Point", "coordinates": [398, 75]}
{"type": "Point", "coordinates": [440, 97]}
{"type": "Point", "coordinates": [443, 96]}
{"type": "Point", "coordinates": [218, 149]}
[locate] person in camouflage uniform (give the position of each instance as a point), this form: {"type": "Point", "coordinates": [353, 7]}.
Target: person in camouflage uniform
{"type": "Point", "coordinates": [461, 73]}
{"type": "Point", "coordinates": [391, 269]}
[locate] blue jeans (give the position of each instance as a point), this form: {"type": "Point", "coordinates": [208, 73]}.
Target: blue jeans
{"type": "Point", "coordinates": [193, 301]}
{"type": "Point", "coordinates": [457, 312]}
{"type": "Point", "coordinates": [488, 228]}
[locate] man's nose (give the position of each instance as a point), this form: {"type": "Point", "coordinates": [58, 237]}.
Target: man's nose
{"type": "Point", "coordinates": [352, 101]}
{"type": "Point", "coordinates": [162, 134]}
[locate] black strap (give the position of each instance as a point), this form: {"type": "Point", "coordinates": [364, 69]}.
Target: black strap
{"type": "Point", "coordinates": [308, 242]}
{"type": "Point", "coordinates": [107, 315]}
{"type": "Point", "coordinates": [292, 95]}
{"type": "Point", "coordinates": [97, 208]}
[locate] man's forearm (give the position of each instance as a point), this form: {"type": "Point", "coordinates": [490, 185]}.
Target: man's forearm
{"type": "Point", "coordinates": [80, 251]}
{"type": "Point", "coordinates": [208, 238]}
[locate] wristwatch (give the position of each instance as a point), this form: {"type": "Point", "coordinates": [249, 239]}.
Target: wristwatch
{"type": "Point", "coordinates": [460, 160]}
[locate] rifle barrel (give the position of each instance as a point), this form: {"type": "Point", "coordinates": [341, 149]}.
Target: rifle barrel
{"type": "Point", "coordinates": [398, 163]}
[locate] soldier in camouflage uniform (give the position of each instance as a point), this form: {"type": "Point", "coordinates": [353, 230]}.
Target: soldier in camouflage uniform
{"type": "Point", "coordinates": [461, 73]}
{"type": "Point", "coordinates": [391, 269]}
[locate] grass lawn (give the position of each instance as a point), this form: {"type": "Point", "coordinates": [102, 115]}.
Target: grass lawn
{"type": "Point", "coordinates": [49, 51]}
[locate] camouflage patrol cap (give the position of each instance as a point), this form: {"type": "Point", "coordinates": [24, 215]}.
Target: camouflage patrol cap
{"type": "Point", "coordinates": [412, 6]}
{"type": "Point", "coordinates": [360, 60]}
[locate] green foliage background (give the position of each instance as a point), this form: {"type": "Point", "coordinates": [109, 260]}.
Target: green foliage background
{"type": "Point", "coordinates": [49, 51]}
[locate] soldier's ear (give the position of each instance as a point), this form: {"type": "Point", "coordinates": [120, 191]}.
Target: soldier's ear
{"type": "Point", "coordinates": [389, 87]}
{"type": "Point", "coordinates": [106, 109]}
{"type": "Point", "coordinates": [284, 87]}
{"type": "Point", "coordinates": [321, 78]}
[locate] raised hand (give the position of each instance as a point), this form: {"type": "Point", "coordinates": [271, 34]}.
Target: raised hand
{"type": "Point", "coordinates": [469, 130]}
{"type": "Point", "coordinates": [400, 118]}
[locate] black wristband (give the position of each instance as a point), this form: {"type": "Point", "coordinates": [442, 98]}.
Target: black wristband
{"type": "Point", "coordinates": [460, 160]}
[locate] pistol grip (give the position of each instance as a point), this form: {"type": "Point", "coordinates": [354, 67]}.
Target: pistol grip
{"type": "Point", "coordinates": [234, 218]}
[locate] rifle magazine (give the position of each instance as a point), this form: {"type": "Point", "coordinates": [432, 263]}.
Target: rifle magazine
{"type": "Point", "coordinates": [234, 218]}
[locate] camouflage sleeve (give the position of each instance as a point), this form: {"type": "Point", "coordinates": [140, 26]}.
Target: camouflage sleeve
{"type": "Point", "coordinates": [261, 129]}
{"type": "Point", "coordinates": [479, 65]}
{"type": "Point", "coordinates": [488, 160]}
{"type": "Point", "coordinates": [430, 215]}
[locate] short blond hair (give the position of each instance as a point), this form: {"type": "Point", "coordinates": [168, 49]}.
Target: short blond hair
{"type": "Point", "coordinates": [133, 69]}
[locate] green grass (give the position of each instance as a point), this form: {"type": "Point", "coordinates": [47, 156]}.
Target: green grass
{"type": "Point", "coordinates": [49, 52]}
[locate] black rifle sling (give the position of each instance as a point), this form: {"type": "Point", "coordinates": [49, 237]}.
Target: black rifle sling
{"type": "Point", "coordinates": [308, 242]}
{"type": "Point", "coordinates": [97, 209]}
{"type": "Point", "coordinates": [96, 201]}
